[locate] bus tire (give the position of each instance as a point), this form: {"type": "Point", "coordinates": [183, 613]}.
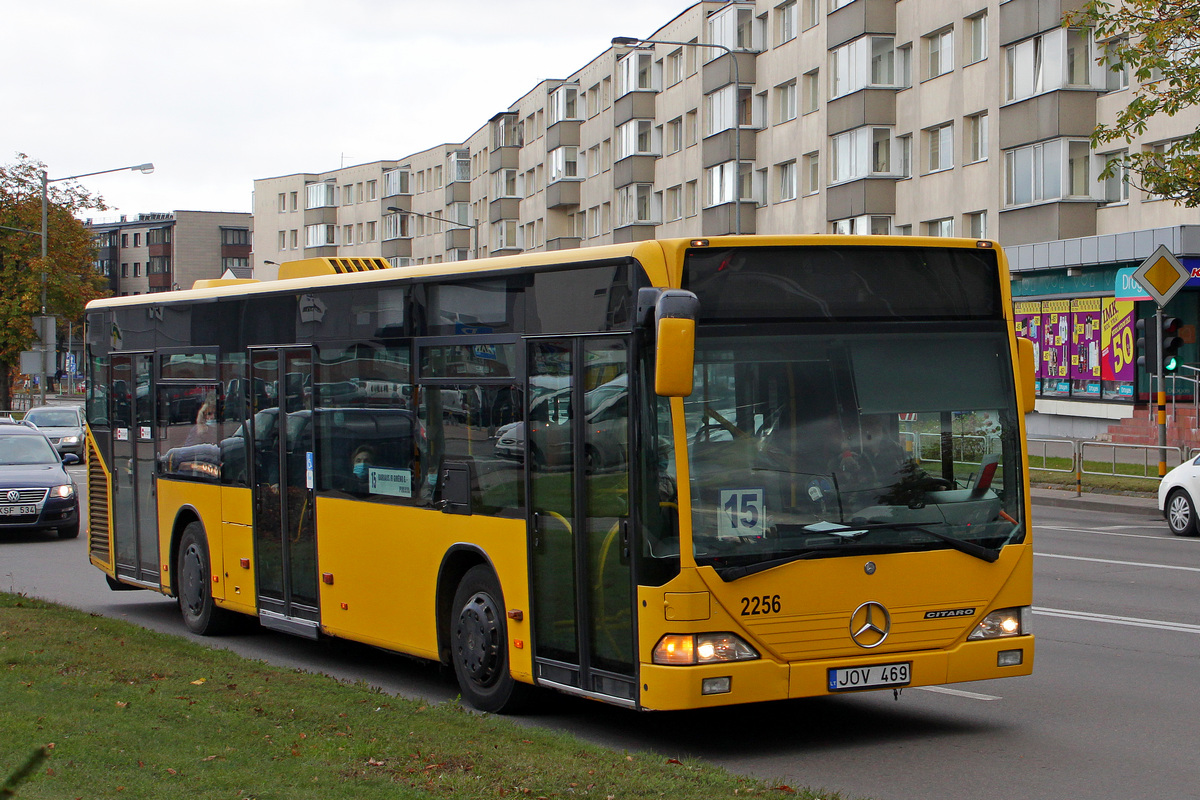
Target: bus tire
{"type": "Point", "coordinates": [196, 604]}
{"type": "Point", "coordinates": [1181, 513]}
{"type": "Point", "coordinates": [479, 645]}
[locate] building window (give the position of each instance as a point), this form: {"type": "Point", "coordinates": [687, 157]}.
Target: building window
{"type": "Point", "coordinates": [563, 104]}
{"type": "Point", "coordinates": [734, 27]}
{"type": "Point", "coordinates": [635, 73]}
{"type": "Point", "coordinates": [865, 225]}
{"type": "Point", "coordinates": [372, 190]}
{"type": "Point", "coordinates": [563, 164]}
{"type": "Point", "coordinates": [636, 205]}
{"type": "Point", "coordinates": [812, 91]}
{"type": "Point", "coordinates": [940, 227]}
{"type": "Point", "coordinates": [904, 156]}
{"type": "Point", "coordinates": [347, 234]}
{"type": "Point", "coordinates": [811, 13]}
{"type": "Point", "coordinates": [691, 198]}
{"type": "Point", "coordinates": [868, 61]}
{"type": "Point", "coordinates": [720, 183]}
{"type": "Point", "coordinates": [396, 181]}
{"type": "Point", "coordinates": [1116, 186]}
{"type": "Point", "coordinates": [348, 194]}
{"type": "Point", "coordinates": [976, 224]}
{"type": "Point", "coordinates": [137, 269]}
{"type": "Point", "coordinates": [976, 36]}
{"type": "Point", "coordinates": [939, 148]}
{"type": "Point", "coordinates": [295, 238]}
{"type": "Point", "coordinates": [320, 195]}
{"type": "Point", "coordinates": [812, 173]}
{"type": "Point", "coordinates": [976, 134]}
{"type": "Point", "coordinates": [785, 22]}
{"type": "Point", "coordinates": [282, 202]}
{"type": "Point", "coordinates": [673, 206]}
{"type": "Point", "coordinates": [785, 106]}
{"type": "Point", "coordinates": [675, 135]}
{"type": "Point", "coordinates": [1053, 60]}
{"type": "Point", "coordinates": [939, 53]}
{"type": "Point", "coordinates": [787, 180]}
{"type": "Point", "coordinates": [159, 265]}
{"type": "Point", "coordinates": [234, 236]}
{"type": "Point", "coordinates": [1046, 171]}
{"type": "Point", "coordinates": [674, 67]}
{"type": "Point", "coordinates": [282, 240]}
{"type": "Point", "coordinates": [637, 138]}
{"type": "Point", "coordinates": [860, 153]}
{"type": "Point", "coordinates": [1115, 73]}
{"type": "Point", "coordinates": [506, 183]}
{"type": "Point", "coordinates": [318, 235]}
{"type": "Point", "coordinates": [124, 270]}
{"type": "Point", "coordinates": [234, 263]}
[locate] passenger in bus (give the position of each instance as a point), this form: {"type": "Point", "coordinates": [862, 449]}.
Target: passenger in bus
{"type": "Point", "coordinates": [360, 468]}
{"type": "Point", "coordinates": [205, 430]}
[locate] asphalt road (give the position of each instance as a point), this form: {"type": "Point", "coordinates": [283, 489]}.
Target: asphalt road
{"type": "Point", "coordinates": [1110, 712]}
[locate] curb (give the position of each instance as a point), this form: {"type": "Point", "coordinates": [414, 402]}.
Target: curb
{"type": "Point", "coordinates": [1115, 503]}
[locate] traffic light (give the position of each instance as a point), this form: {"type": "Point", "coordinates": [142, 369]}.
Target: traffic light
{"type": "Point", "coordinates": [1171, 342]}
{"type": "Point", "coordinates": [1147, 346]}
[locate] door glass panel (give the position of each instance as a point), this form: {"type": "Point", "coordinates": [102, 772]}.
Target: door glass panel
{"type": "Point", "coordinates": [124, 509]}
{"type": "Point", "coordinates": [606, 491]}
{"type": "Point", "coordinates": [548, 449]}
{"type": "Point", "coordinates": [299, 467]}
{"type": "Point", "coordinates": [143, 435]}
{"type": "Point", "coordinates": [268, 531]}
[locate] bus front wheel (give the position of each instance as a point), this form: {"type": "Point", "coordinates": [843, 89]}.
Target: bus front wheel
{"type": "Point", "coordinates": [200, 613]}
{"type": "Point", "coordinates": [479, 645]}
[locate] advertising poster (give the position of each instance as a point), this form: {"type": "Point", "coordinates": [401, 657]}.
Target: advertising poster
{"type": "Point", "coordinates": [1085, 348]}
{"type": "Point", "coordinates": [1027, 316]}
{"type": "Point", "coordinates": [1117, 349]}
{"type": "Point", "coordinates": [1056, 348]}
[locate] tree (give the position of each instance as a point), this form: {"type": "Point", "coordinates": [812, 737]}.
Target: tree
{"type": "Point", "coordinates": [71, 279]}
{"type": "Point", "coordinates": [1158, 42]}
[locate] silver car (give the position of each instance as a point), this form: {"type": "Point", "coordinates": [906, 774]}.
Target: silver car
{"type": "Point", "coordinates": [62, 425]}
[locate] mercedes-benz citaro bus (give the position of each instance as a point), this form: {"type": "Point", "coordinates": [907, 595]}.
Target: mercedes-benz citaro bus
{"type": "Point", "coordinates": [666, 475]}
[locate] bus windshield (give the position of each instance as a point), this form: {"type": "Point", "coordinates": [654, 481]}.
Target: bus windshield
{"type": "Point", "coordinates": [811, 445]}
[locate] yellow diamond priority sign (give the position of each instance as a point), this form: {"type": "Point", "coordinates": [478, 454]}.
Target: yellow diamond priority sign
{"type": "Point", "coordinates": [1161, 275]}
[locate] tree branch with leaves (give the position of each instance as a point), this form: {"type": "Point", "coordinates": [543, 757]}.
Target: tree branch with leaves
{"type": "Point", "coordinates": [1158, 42]}
{"type": "Point", "coordinates": [71, 278]}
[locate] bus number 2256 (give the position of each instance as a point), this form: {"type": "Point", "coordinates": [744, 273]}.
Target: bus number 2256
{"type": "Point", "coordinates": [757, 606]}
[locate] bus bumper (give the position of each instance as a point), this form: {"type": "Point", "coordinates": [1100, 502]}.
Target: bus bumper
{"type": "Point", "coordinates": [669, 688]}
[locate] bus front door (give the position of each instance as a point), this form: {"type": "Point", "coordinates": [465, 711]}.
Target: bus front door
{"type": "Point", "coordinates": [135, 507]}
{"type": "Point", "coordinates": [285, 541]}
{"type": "Point", "coordinates": [577, 455]}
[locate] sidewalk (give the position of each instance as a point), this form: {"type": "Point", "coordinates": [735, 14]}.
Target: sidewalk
{"type": "Point", "coordinates": [1094, 501]}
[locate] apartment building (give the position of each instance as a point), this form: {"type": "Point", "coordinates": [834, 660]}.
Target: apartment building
{"type": "Point", "coordinates": [911, 117]}
{"type": "Point", "coordinates": [164, 251]}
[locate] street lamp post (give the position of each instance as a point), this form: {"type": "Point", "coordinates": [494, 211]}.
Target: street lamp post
{"type": "Point", "coordinates": [146, 169]}
{"type": "Point", "coordinates": [633, 41]}
{"type": "Point", "coordinates": [473, 227]}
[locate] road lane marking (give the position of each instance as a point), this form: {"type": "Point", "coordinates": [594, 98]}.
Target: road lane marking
{"type": "Point", "coordinates": [1118, 563]}
{"type": "Point", "coordinates": [1086, 616]}
{"type": "Point", "coordinates": [957, 693]}
{"type": "Point", "coordinates": [1101, 532]}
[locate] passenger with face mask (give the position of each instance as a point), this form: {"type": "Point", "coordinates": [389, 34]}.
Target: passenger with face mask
{"type": "Point", "coordinates": [205, 431]}
{"type": "Point", "coordinates": [360, 464]}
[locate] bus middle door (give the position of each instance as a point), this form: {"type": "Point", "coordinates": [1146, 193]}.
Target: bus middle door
{"type": "Point", "coordinates": [285, 530]}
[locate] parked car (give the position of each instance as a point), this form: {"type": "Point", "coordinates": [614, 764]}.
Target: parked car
{"type": "Point", "coordinates": [1176, 497]}
{"type": "Point", "coordinates": [63, 426]}
{"type": "Point", "coordinates": [36, 491]}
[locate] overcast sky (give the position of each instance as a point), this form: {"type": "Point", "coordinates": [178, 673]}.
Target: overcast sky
{"type": "Point", "coordinates": [217, 93]}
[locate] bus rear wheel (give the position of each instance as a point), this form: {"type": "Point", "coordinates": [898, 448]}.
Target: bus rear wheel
{"type": "Point", "coordinates": [479, 645]}
{"type": "Point", "coordinates": [196, 604]}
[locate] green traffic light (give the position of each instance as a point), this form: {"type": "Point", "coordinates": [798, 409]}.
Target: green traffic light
{"type": "Point", "coordinates": [1171, 363]}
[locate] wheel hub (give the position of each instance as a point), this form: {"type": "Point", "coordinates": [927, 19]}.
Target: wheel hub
{"type": "Point", "coordinates": [478, 639]}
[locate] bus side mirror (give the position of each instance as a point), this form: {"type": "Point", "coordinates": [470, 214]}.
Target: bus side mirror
{"type": "Point", "coordinates": [1026, 375]}
{"type": "Point", "coordinates": [675, 315]}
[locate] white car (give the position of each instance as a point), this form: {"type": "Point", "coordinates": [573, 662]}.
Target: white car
{"type": "Point", "coordinates": [1176, 497]}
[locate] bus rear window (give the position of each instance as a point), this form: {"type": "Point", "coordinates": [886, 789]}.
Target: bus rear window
{"type": "Point", "coordinates": [844, 283]}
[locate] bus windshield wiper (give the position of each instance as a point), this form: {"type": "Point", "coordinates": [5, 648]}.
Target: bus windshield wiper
{"type": "Point", "coordinates": [961, 545]}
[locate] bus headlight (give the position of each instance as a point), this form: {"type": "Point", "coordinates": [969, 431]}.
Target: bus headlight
{"type": "Point", "coordinates": [681, 649]}
{"type": "Point", "coordinates": [1003, 623]}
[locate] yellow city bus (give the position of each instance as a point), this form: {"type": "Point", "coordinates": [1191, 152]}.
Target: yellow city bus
{"type": "Point", "coordinates": [666, 475]}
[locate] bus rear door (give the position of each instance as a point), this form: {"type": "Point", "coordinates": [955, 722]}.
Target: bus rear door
{"type": "Point", "coordinates": [135, 507]}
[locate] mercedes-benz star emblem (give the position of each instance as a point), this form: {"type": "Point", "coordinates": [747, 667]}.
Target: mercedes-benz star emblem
{"type": "Point", "coordinates": [14, 496]}
{"type": "Point", "coordinates": [869, 625]}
